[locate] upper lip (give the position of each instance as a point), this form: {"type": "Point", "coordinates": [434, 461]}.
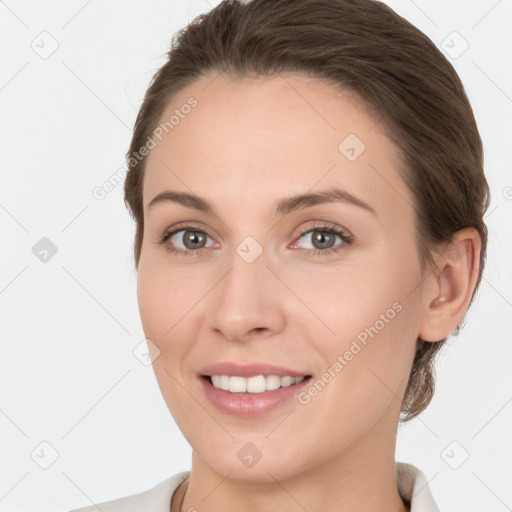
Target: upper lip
{"type": "Point", "coordinates": [248, 370]}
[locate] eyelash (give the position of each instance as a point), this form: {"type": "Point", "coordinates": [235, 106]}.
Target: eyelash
{"type": "Point", "coordinates": [323, 228]}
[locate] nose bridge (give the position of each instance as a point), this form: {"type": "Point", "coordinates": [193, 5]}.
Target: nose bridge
{"type": "Point", "coordinates": [245, 298]}
{"type": "Point", "coordinates": [248, 268]}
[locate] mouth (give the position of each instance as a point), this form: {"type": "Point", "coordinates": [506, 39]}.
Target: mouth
{"type": "Point", "coordinates": [256, 384]}
{"type": "Point", "coordinates": [253, 396]}
{"type": "Point", "coordinates": [251, 390]}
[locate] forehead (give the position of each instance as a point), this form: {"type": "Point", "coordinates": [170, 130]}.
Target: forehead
{"type": "Point", "coordinates": [268, 136]}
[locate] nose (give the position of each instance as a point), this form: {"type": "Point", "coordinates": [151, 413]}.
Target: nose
{"type": "Point", "coordinates": [247, 302]}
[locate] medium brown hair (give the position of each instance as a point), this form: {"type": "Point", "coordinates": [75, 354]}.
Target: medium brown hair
{"type": "Point", "coordinates": [365, 47]}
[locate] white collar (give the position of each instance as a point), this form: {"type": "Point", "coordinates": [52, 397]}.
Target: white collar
{"type": "Point", "coordinates": [413, 487]}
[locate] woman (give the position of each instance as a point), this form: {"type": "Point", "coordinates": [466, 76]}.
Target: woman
{"type": "Point", "coordinates": [307, 184]}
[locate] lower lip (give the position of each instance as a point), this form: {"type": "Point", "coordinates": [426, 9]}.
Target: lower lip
{"type": "Point", "coordinates": [248, 405]}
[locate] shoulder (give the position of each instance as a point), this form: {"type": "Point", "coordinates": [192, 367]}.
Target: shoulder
{"type": "Point", "coordinates": [156, 499]}
{"type": "Point", "coordinates": [413, 487]}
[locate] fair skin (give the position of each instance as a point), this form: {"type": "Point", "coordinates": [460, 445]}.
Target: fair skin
{"type": "Point", "coordinates": [248, 144]}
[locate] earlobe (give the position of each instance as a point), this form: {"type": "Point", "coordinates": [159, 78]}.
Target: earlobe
{"type": "Point", "coordinates": [450, 287]}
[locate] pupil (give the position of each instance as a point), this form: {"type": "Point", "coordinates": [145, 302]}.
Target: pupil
{"type": "Point", "coordinates": [321, 237]}
{"type": "Point", "coordinates": [193, 237]}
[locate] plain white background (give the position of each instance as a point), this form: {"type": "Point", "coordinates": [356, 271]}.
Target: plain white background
{"type": "Point", "coordinates": [69, 326]}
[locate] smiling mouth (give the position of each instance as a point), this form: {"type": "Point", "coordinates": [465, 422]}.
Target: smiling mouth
{"type": "Point", "coordinates": [256, 384]}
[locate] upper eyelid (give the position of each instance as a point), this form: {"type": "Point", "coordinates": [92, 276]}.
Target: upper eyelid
{"type": "Point", "coordinates": [187, 227]}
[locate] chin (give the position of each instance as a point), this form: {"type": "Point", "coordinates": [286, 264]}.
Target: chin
{"type": "Point", "coordinates": [246, 459]}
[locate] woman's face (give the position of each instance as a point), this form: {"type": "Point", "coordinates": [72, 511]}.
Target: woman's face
{"type": "Point", "coordinates": [263, 278]}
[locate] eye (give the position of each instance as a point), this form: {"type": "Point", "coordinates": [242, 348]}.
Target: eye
{"type": "Point", "coordinates": [190, 240]}
{"type": "Point", "coordinates": [323, 238]}
{"type": "Point", "coordinates": [185, 240]}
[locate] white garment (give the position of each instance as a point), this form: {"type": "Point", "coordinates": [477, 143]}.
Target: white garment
{"type": "Point", "coordinates": [411, 482]}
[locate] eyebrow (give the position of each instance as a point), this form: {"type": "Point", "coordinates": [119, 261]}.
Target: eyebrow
{"type": "Point", "coordinates": [282, 206]}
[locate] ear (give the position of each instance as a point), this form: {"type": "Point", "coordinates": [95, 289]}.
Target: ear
{"type": "Point", "coordinates": [450, 286]}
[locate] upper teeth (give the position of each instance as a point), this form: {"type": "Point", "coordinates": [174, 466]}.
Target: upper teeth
{"type": "Point", "coordinates": [257, 384]}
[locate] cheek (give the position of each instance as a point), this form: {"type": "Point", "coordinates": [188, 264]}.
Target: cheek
{"type": "Point", "coordinates": [366, 371]}
{"type": "Point", "coordinates": [344, 301]}
{"type": "Point", "coordinates": [165, 310]}
{"type": "Point", "coordinates": [167, 316]}
{"type": "Point", "coordinates": [372, 319]}
{"type": "Point", "coordinates": [165, 298]}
